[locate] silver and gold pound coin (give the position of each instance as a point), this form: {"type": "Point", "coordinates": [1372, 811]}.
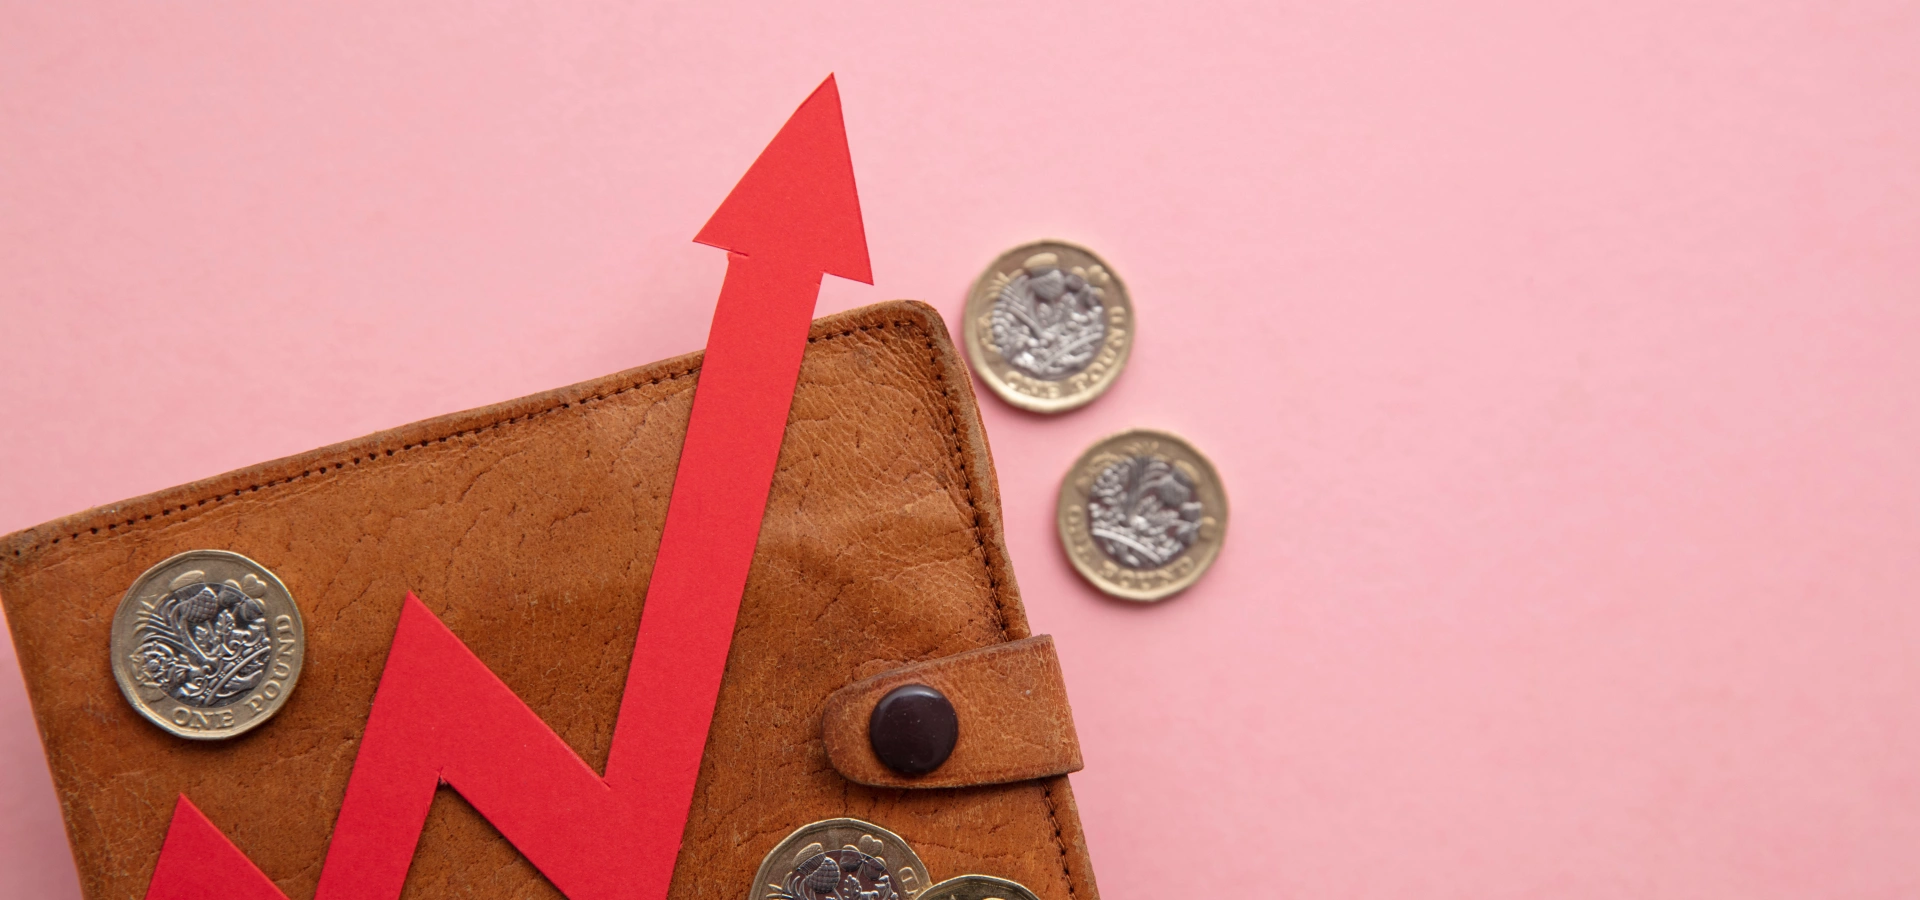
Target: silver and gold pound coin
{"type": "Point", "coordinates": [841, 858]}
{"type": "Point", "coordinates": [1049, 326]}
{"type": "Point", "coordinates": [1142, 515]}
{"type": "Point", "coordinates": [207, 644]}
{"type": "Point", "coordinates": [978, 887]}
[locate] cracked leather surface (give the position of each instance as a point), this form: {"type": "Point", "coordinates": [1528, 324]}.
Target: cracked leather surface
{"type": "Point", "coordinates": [1011, 701]}
{"type": "Point", "coordinates": [530, 528]}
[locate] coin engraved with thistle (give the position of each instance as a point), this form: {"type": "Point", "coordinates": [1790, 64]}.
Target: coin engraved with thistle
{"type": "Point", "coordinates": [1143, 512]}
{"type": "Point", "coordinates": [208, 644]}
{"type": "Point", "coordinates": [840, 859]}
{"type": "Point", "coordinates": [1048, 321]}
{"type": "Point", "coordinates": [871, 863]}
{"type": "Point", "coordinates": [1048, 326]}
{"type": "Point", "coordinates": [1142, 515]}
{"type": "Point", "coordinates": [850, 873]}
{"type": "Point", "coordinates": [204, 644]}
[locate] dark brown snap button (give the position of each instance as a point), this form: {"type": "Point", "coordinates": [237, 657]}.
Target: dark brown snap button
{"type": "Point", "coordinates": [913, 729]}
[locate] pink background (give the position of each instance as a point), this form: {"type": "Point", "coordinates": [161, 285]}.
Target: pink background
{"type": "Point", "coordinates": [1562, 361]}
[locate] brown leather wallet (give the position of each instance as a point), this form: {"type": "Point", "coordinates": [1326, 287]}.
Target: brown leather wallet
{"type": "Point", "coordinates": [530, 528]}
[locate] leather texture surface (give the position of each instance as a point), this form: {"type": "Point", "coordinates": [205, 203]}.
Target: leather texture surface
{"type": "Point", "coordinates": [1012, 704]}
{"type": "Point", "coordinates": [530, 528]}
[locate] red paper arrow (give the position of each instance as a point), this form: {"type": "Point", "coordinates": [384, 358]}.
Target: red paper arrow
{"type": "Point", "coordinates": [440, 716]}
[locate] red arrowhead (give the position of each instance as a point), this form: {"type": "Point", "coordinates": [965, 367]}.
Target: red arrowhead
{"type": "Point", "coordinates": [441, 717]}
{"type": "Point", "coordinates": [797, 204]}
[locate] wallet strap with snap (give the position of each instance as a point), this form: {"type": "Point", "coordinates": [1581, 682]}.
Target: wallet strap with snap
{"type": "Point", "coordinates": [1010, 701]}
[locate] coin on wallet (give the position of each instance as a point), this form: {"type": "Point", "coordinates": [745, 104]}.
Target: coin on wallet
{"type": "Point", "coordinates": [207, 644]}
{"type": "Point", "coordinates": [1049, 326]}
{"type": "Point", "coordinates": [840, 858]}
{"type": "Point", "coordinates": [1142, 515]}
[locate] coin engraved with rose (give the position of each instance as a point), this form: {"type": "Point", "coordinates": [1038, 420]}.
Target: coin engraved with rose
{"type": "Point", "coordinates": [1048, 321]}
{"type": "Point", "coordinates": [204, 644]}
{"type": "Point", "coordinates": [1143, 512]}
{"type": "Point", "coordinates": [850, 873]}
{"type": "Point", "coordinates": [1142, 515]}
{"type": "Point", "coordinates": [1048, 326]}
{"type": "Point", "coordinates": [207, 644]}
{"type": "Point", "coordinates": [840, 859]}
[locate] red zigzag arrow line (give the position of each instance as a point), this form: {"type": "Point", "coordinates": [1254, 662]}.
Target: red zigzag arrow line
{"type": "Point", "coordinates": [441, 715]}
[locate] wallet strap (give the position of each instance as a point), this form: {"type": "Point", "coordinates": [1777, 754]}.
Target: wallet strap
{"type": "Point", "coordinates": [1011, 702]}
